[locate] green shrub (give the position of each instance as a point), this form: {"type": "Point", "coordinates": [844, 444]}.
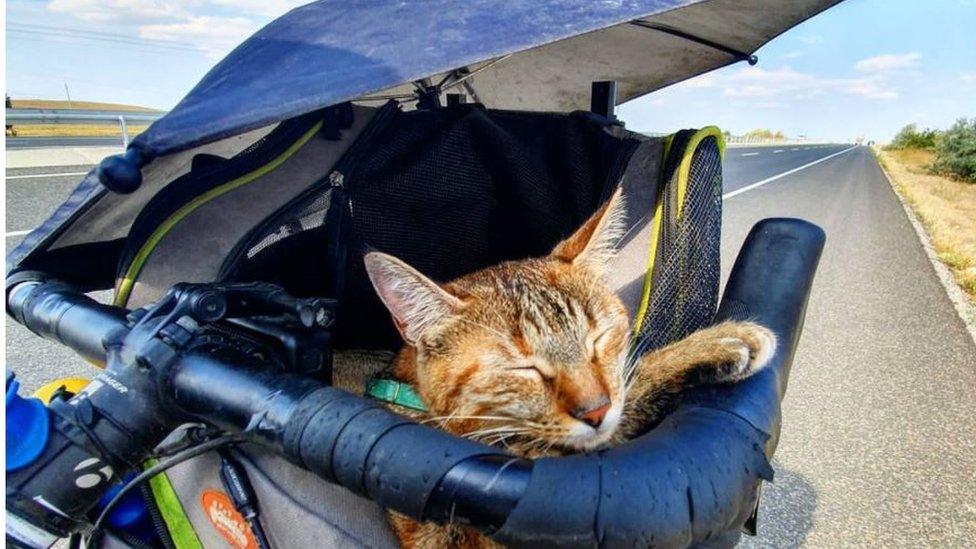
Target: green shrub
{"type": "Point", "coordinates": [910, 137]}
{"type": "Point", "coordinates": [955, 152]}
{"type": "Point", "coordinates": [763, 133]}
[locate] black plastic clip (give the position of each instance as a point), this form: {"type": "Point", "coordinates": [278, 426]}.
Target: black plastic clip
{"type": "Point", "coordinates": [603, 99]}
{"type": "Point", "coordinates": [122, 173]}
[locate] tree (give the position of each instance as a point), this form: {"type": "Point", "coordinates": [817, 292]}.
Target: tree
{"type": "Point", "coordinates": [955, 151]}
{"type": "Point", "coordinates": [910, 137]}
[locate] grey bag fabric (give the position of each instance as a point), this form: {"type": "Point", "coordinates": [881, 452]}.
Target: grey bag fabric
{"type": "Point", "coordinates": [297, 509]}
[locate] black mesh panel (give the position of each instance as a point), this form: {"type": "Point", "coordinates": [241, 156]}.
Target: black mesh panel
{"type": "Point", "coordinates": [448, 191]}
{"type": "Point", "coordinates": [685, 289]}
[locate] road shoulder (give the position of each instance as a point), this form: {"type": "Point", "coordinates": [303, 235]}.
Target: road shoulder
{"type": "Point", "coordinates": [963, 305]}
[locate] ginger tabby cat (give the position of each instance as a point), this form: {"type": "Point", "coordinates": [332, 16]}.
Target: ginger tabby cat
{"type": "Point", "coordinates": [532, 355]}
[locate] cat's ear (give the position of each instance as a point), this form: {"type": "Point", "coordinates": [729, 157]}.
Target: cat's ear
{"type": "Point", "coordinates": [594, 243]}
{"type": "Point", "coordinates": [416, 302]}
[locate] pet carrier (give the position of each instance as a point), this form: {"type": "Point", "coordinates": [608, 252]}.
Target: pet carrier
{"type": "Point", "coordinates": [455, 142]}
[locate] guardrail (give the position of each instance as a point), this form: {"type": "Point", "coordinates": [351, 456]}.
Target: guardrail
{"type": "Point", "coordinates": [72, 116]}
{"type": "Point", "coordinates": [752, 140]}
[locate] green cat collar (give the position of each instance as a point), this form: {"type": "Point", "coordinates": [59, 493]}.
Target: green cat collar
{"type": "Point", "coordinates": [395, 392]}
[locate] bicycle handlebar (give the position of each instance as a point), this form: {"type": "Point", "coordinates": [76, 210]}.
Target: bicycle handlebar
{"type": "Point", "coordinates": [693, 478]}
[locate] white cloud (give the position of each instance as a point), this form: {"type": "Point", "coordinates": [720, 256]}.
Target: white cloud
{"type": "Point", "coordinates": [212, 26]}
{"type": "Point", "coordinates": [968, 77]}
{"type": "Point", "coordinates": [266, 8]}
{"type": "Point", "coordinates": [810, 39]}
{"type": "Point", "coordinates": [214, 35]}
{"type": "Point", "coordinates": [156, 11]}
{"type": "Point", "coordinates": [120, 11]}
{"type": "Point", "coordinates": [786, 83]}
{"type": "Point", "coordinates": [699, 82]}
{"type": "Point", "coordinates": [889, 62]}
{"type": "Point", "coordinates": [793, 54]}
{"type": "Point", "coordinates": [755, 82]}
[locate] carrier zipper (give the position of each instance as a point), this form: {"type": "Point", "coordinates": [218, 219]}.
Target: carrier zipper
{"type": "Point", "coordinates": [336, 179]}
{"type": "Point", "coordinates": [252, 157]}
{"type": "Point", "coordinates": [156, 517]}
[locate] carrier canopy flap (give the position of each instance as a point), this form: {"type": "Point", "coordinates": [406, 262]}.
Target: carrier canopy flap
{"type": "Point", "coordinates": [97, 239]}
{"type": "Point", "coordinates": [510, 55]}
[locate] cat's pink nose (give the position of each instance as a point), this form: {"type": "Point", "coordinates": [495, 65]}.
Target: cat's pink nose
{"type": "Point", "coordinates": [593, 415]}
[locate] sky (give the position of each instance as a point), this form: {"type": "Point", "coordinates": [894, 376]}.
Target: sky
{"type": "Point", "coordinates": [863, 68]}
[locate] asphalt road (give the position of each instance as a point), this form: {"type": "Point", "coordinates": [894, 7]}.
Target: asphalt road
{"type": "Point", "coordinates": [46, 142]}
{"type": "Point", "coordinates": [879, 436]}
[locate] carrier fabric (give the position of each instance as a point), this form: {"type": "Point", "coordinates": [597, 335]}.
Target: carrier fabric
{"type": "Point", "coordinates": [673, 188]}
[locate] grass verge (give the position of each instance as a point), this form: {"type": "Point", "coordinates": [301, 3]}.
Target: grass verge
{"type": "Point", "coordinates": [945, 206]}
{"type": "Point", "coordinates": [74, 130]}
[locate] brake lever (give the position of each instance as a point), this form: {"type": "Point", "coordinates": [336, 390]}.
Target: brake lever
{"type": "Point", "coordinates": [212, 302]}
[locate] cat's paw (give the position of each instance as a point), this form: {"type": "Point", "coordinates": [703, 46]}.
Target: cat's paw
{"type": "Point", "coordinates": [743, 348]}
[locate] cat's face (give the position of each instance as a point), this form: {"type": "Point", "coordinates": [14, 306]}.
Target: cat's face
{"type": "Point", "coordinates": [527, 351]}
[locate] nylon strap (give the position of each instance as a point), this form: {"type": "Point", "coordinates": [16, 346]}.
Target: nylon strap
{"type": "Point", "coordinates": [395, 392]}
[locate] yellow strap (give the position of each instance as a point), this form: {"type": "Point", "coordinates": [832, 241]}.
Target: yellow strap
{"type": "Point", "coordinates": [73, 385]}
{"type": "Point", "coordinates": [128, 281]}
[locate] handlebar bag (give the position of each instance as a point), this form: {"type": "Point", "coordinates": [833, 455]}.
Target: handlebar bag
{"type": "Point", "coordinates": [449, 190]}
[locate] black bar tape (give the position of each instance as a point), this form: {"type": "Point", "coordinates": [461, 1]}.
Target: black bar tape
{"type": "Point", "coordinates": [355, 443]}
{"type": "Point", "coordinates": [407, 463]}
{"type": "Point", "coordinates": [318, 441]}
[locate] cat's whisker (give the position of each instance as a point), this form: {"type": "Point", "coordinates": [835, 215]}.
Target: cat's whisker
{"type": "Point", "coordinates": [632, 228]}
{"type": "Point", "coordinates": [452, 417]}
{"type": "Point", "coordinates": [480, 433]}
{"type": "Point", "coordinates": [500, 439]}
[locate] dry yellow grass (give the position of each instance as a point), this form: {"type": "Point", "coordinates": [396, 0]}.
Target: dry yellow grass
{"type": "Point", "coordinates": [77, 105]}
{"type": "Point", "coordinates": [74, 130]}
{"type": "Point", "coordinates": [946, 207]}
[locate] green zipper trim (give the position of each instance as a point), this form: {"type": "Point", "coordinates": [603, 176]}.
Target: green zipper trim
{"type": "Point", "coordinates": [394, 392]}
{"type": "Point", "coordinates": [129, 280]}
{"type": "Point", "coordinates": [180, 529]}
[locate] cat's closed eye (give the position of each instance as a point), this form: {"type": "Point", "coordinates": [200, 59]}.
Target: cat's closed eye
{"type": "Point", "coordinates": [534, 369]}
{"type": "Point", "coordinates": [595, 345]}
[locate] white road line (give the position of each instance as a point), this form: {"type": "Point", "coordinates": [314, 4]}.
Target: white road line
{"type": "Point", "coordinates": [794, 149]}
{"type": "Point", "coordinates": [784, 174]}
{"type": "Point", "coordinates": [778, 151]}
{"type": "Point", "coordinates": [37, 175]}
{"type": "Point", "coordinates": [749, 154]}
{"type": "Point", "coordinates": [15, 233]}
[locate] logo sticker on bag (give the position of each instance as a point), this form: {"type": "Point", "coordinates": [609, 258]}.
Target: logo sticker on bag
{"type": "Point", "coordinates": [229, 523]}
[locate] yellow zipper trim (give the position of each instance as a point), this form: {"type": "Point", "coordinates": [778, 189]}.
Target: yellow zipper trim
{"type": "Point", "coordinates": [684, 169]}
{"type": "Point", "coordinates": [174, 515]}
{"type": "Point", "coordinates": [128, 281]}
